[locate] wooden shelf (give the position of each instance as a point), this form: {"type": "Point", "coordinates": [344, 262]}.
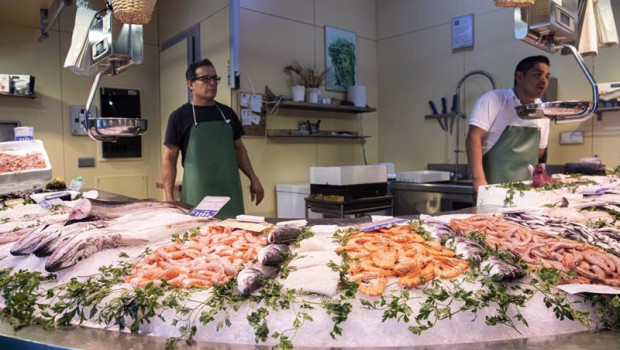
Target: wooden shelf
{"type": "Point", "coordinates": [17, 95]}
{"type": "Point", "coordinates": [324, 134]}
{"type": "Point", "coordinates": [324, 107]}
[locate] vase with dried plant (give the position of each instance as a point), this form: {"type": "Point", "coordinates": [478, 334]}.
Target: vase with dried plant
{"type": "Point", "coordinates": [309, 78]}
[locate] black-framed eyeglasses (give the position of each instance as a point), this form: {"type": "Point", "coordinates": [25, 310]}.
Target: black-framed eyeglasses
{"type": "Point", "coordinates": [208, 78]}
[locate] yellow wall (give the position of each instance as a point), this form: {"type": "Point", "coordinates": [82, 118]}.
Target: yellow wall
{"type": "Point", "coordinates": [273, 34]}
{"type": "Point", "coordinates": [416, 64]}
{"type": "Point", "coordinates": [58, 88]}
{"type": "Point", "coordinates": [404, 58]}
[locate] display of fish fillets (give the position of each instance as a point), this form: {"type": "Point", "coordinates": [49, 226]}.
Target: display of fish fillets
{"type": "Point", "coordinates": [317, 243]}
{"type": "Point", "coordinates": [313, 258]}
{"type": "Point", "coordinates": [318, 279]}
{"type": "Point", "coordinates": [86, 243]}
{"type": "Point", "coordinates": [605, 237]}
{"type": "Point", "coordinates": [590, 263]}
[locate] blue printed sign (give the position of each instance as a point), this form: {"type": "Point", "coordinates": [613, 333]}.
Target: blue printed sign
{"type": "Point", "coordinates": [209, 206]}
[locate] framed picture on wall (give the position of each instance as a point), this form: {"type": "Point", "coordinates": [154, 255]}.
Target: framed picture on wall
{"type": "Point", "coordinates": [340, 59]}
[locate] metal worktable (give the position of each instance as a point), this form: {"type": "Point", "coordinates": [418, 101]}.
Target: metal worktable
{"type": "Point", "coordinates": [431, 198]}
{"type": "Point", "coordinates": [356, 206]}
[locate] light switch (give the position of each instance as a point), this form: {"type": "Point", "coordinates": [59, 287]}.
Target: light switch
{"type": "Point", "coordinates": [86, 162]}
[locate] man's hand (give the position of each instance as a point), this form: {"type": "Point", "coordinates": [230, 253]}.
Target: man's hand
{"type": "Point", "coordinates": [478, 183]}
{"type": "Point", "coordinates": [256, 191]}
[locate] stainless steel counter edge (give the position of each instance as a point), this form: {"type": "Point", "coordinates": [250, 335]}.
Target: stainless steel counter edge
{"type": "Point", "coordinates": [78, 337]}
{"type": "Point", "coordinates": [457, 187]}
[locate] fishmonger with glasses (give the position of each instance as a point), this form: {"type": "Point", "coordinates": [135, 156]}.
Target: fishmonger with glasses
{"type": "Point", "coordinates": [208, 134]}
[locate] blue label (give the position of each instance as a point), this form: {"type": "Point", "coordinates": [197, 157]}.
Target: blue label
{"type": "Point", "coordinates": [24, 138]}
{"type": "Point", "coordinates": [370, 226]}
{"type": "Point", "coordinates": [203, 213]}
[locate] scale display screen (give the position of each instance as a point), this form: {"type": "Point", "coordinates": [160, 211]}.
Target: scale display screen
{"type": "Point", "coordinates": [564, 19]}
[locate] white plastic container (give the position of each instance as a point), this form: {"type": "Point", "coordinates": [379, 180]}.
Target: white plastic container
{"type": "Point", "coordinates": [422, 176]}
{"type": "Point", "coordinates": [348, 175]}
{"type": "Point", "coordinates": [25, 179]}
{"type": "Point", "coordinates": [290, 199]}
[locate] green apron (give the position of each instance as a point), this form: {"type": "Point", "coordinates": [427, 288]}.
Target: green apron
{"type": "Point", "coordinates": [509, 157]}
{"type": "Point", "coordinates": [211, 167]}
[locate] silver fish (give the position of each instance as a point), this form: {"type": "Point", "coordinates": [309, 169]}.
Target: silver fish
{"type": "Point", "coordinates": [54, 240]}
{"type": "Point", "coordinates": [273, 254]}
{"type": "Point", "coordinates": [251, 278]}
{"type": "Point", "coordinates": [466, 248]}
{"type": "Point", "coordinates": [28, 243]}
{"type": "Point", "coordinates": [284, 235]}
{"type": "Point", "coordinates": [85, 208]}
{"type": "Point", "coordinates": [500, 269]}
{"type": "Point", "coordinates": [87, 243]}
{"type": "Point", "coordinates": [440, 230]}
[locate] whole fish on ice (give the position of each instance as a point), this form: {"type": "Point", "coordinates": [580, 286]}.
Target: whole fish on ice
{"type": "Point", "coordinates": [284, 235]}
{"type": "Point", "coordinates": [501, 270]}
{"type": "Point", "coordinates": [57, 239]}
{"type": "Point", "coordinates": [85, 208]}
{"type": "Point", "coordinates": [273, 254]}
{"type": "Point", "coordinates": [27, 243]}
{"type": "Point", "coordinates": [251, 278]}
{"type": "Point", "coordinates": [466, 248]}
{"type": "Point", "coordinates": [87, 243]}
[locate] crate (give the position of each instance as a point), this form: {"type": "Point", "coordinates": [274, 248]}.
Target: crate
{"type": "Point", "coordinates": [25, 179]}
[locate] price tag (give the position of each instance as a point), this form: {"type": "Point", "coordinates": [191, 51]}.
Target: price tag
{"type": "Point", "coordinates": [588, 288]}
{"type": "Point", "coordinates": [379, 224]}
{"type": "Point", "coordinates": [209, 206]}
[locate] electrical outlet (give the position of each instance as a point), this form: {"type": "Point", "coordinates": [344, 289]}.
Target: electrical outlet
{"type": "Point", "coordinates": [76, 113]}
{"type": "Point", "coordinates": [86, 162]}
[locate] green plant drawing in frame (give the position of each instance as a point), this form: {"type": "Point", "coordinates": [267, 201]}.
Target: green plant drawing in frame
{"type": "Point", "coordinates": [340, 59]}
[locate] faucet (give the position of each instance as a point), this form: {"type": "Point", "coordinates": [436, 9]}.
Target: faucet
{"type": "Point", "coordinates": [457, 96]}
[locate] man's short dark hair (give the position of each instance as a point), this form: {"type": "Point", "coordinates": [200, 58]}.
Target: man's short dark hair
{"type": "Point", "coordinates": [529, 62]}
{"type": "Point", "coordinates": [190, 73]}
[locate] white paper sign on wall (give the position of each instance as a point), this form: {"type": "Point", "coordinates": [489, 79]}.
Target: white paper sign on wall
{"type": "Point", "coordinates": [463, 31]}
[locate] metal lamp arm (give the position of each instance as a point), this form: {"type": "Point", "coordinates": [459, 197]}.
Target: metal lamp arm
{"type": "Point", "coordinates": [584, 69]}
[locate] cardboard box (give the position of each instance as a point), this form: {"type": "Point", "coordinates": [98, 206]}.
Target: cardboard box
{"type": "Point", "coordinates": [25, 179]}
{"type": "Point", "coordinates": [348, 175]}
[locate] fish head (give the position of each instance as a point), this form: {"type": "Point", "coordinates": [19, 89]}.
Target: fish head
{"type": "Point", "coordinates": [70, 254]}
{"type": "Point", "coordinates": [80, 210]}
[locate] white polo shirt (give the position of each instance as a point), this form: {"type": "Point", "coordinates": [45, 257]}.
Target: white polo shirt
{"type": "Point", "coordinates": [495, 110]}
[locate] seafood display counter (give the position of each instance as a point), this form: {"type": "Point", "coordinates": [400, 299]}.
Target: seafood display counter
{"type": "Point", "coordinates": [454, 281]}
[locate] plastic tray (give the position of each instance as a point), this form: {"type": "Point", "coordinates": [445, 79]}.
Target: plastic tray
{"type": "Point", "coordinates": [25, 179]}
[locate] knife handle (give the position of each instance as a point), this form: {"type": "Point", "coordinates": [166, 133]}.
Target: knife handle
{"type": "Point", "coordinates": [444, 105]}
{"type": "Point", "coordinates": [432, 104]}
{"type": "Point", "coordinates": [454, 103]}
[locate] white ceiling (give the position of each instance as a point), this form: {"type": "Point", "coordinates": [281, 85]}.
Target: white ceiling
{"type": "Point", "coordinates": [25, 12]}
